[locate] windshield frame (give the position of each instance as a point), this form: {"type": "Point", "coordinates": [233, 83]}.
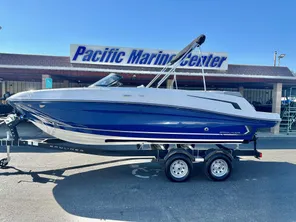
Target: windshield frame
{"type": "Point", "coordinates": [110, 80]}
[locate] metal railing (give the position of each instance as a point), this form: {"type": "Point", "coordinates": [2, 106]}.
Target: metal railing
{"type": "Point", "coordinates": [288, 115]}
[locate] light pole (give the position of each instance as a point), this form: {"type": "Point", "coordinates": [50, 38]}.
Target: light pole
{"type": "Point", "coordinates": [280, 57]}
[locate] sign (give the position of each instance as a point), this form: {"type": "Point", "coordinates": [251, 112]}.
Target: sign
{"type": "Point", "coordinates": [48, 83]}
{"type": "Point", "coordinates": [108, 55]}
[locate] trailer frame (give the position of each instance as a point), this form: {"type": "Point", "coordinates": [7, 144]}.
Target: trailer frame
{"type": "Point", "coordinates": [183, 154]}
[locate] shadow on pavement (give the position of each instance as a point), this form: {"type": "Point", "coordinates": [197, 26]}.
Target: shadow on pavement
{"type": "Point", "coordinates": [264, 191]}
{"type": "Point", "coordinates": [58, 172]}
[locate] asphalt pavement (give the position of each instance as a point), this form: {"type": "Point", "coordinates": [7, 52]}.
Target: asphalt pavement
{"type": "Point", "coordinates": [47, 185]}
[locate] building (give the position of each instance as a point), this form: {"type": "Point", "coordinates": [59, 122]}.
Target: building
{"type": "Point", "coordinates": [264, 85]}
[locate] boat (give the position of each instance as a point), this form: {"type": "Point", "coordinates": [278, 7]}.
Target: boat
{"type": "Point", "coordinates": [105, 113]}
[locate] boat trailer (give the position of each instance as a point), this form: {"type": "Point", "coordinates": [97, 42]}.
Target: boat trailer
{"type": "Point", "coordinates": [178, 160]}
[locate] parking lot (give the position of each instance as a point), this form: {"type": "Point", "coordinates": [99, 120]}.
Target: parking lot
{"type": "Point", "coordinates": [46, 185]}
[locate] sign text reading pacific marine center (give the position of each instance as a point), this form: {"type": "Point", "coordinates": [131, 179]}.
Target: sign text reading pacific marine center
{"type": "Point", "coordinates": [106, 55]}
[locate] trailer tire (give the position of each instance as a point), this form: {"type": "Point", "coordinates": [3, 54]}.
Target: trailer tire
{"type": "Point", "coordinates": [178, 167]}
{"type": "Point", "coordinates": [218, 167]}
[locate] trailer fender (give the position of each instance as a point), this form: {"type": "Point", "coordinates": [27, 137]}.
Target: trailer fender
{"type": "Point", "coordinates": [212, 152]}
{"type": "Point", "coordinates": [179, 151]}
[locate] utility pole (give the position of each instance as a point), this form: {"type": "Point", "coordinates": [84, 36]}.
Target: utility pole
{"type": "Point", "coordinates": [274, 58]}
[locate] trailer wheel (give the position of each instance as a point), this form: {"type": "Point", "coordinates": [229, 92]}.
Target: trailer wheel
{"type": "Point", "coordinates": [178, 167]}
{"type": "Point", "coordinates": [218, 167]}
{"type": "Point", "coordinates": [3, 163]}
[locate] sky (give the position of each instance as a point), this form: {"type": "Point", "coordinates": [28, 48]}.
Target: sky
{"type": "Point", "coordinates": [248, 30]}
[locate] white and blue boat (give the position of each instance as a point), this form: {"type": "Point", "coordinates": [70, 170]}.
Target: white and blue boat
{"type": "Point", "coordinates": [105, 113]}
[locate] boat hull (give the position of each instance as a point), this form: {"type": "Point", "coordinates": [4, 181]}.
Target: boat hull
{"type": "Point", "coordinates": [95, 123]}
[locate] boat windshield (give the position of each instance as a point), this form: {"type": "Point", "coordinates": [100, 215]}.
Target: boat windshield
{"type": "Point", "coordinates": [108, 81]}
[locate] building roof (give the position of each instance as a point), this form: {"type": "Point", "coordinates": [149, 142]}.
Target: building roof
{"type": "Point", "coordinates": [24, 61]}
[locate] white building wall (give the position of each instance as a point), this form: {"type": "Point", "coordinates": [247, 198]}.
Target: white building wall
{"type": "Point", "coordinates": [262, 96]}
{"type": "Point", "coordinates": [20, 86]}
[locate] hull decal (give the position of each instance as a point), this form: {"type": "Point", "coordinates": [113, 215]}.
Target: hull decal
{"type": "Point", "coordinates": [235, 105]}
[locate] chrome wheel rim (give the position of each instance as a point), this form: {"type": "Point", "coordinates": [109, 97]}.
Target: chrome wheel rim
{"type": "Point", "coordinates": [219, 168]}
{"type": "Point", "coordinates": [179, 169]}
